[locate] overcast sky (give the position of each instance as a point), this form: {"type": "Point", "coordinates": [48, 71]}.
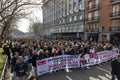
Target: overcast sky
{"type": "Point", "coordinates": [36, 16]}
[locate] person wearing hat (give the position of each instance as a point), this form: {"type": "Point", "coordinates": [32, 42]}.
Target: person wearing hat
{"type": "Point", "coordinates": [115, 65]}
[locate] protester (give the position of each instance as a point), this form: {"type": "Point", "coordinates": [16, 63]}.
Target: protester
{"type": "Point", "coordinates": [33, 50]}
{"type": "Point", "coordinates": [92, 50]}
{"type": "Point", "coordinates": [21, 69]}
{"type": "Point", "coordinates": [115, 65]}
{"type": "Point", "coordinates": [14, 60]}
{"type": "Point", "coordinates": [7, 52]}
{"type": "Point", "coordinates": [33, 60]}
{"type": "Point", "coordinates": [54, 51]}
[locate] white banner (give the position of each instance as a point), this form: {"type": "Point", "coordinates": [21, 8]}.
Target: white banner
{"type": "Point", "coordinates": [73, 61]}
{"type": "Point", "coordinates": [57, 63]}
{"type": "Point", "coordinates": [107, 55]}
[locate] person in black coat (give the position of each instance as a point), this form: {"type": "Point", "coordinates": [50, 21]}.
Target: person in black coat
{"type": "Point", "coordinates": [7, 52]}
{"type": "Point", "coordinates": [16, 49]}
{"type": "Point", "coordinates": [35, 57]}
{"type": "Point", "coordinates": [50, 50]}
{"type": "Point", "coordinates": [47, 54]}
{"type": "Point", "coordinates": [61, 51]}
{"type": "Point", "coordinates": [21, 69]}
{"type": "Point", "coordinates": [14, 61]}
{"type": "Point", "coordinates": [115, 65]}
{"type": "Point", "coordinates": [74, 50]}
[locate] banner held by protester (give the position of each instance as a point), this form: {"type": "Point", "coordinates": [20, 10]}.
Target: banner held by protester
{"type": "Point", "coordinates": [73, 61]}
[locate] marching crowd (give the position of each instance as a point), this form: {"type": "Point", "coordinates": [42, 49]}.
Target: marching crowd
{"type": "Point", "coordinates": [22, 54]}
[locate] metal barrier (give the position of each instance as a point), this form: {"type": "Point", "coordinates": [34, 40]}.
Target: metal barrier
{"type": "Point", "coordinates": [4, 70]}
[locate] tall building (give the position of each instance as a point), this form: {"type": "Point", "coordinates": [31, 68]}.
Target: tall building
{"type": "Point", "coordinates": [114, 19]}
{"type": "Point", "coordinates": [63, 18]}
{"type": "Point", "coordinates": [102, 20]}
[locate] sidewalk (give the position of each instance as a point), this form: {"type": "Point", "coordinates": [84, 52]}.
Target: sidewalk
{"type": "Point", "coordinates": [8, 75]}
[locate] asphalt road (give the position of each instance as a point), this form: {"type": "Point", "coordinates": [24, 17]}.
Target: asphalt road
{"type": "Point", "coordinates": [101, 72]}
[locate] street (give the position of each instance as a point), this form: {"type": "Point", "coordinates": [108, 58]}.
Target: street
{"type": "Point", "coordinates": [101, 72]}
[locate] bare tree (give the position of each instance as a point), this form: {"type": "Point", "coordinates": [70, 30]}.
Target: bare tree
{"type": "Point", "coordinates": [36, 29]}
{"type": "Point", "coordinates": [10, 12]}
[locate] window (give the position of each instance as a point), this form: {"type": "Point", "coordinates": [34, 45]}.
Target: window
{"type": "Point", "coordinates": [70, 19]}
{"type": "Point", "coordinates": [90, 5]}
{"type": "Point", "coordinates": [89, 16]}
{"type": "Point", "coordinates": [89, 26]}
{"type": "Point", "coordinates": [96, 1]}
{"type": "Point", "coordinates": [115, 8]}
{"type": "Point", "coordinates": [60, 22]}
{"type": "Point", "coordinates": [70, 8]}
{"type": "Point", "coordinates": [74, 28]}
{"type": "Point", "coordinates": [75, 18]}
{"type": "Point", "coordinates": [80, 6]}
{"type": "Point", "coordinates": [75, 8]}
{"type": "Point", "coordinates": [58, 30]}
{"type": "Point", "coordinates": [80, 16]}
{"type": "Point", "coordinates": [63, 20]}
{"type": "Point", "coordinates": [96, 13]}
{"type": "Point", "coordinates": [114, 23]}
{"type": "Point", "coordinates": [62, 29]}
{"type": "Point", "coordinates": [71, 28]}
{"type": "Point", "coordinates": [96, 25]}
{"type": "Point", "coordinates": [67, 29]}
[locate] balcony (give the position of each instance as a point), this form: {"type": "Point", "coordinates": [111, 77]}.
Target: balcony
{"type": "Point", "coordinates": [114, 29]}
{"type": "Point", "coordinates": [114, 15]}
{"type": "Point", "coordinates": [93, 19]}
{"type": "Point", "coordinates": [94, 30]}
{"type": "Point", "coordinates": [93, 7]}
{"type": "Point", "coordinates": [114, 1]}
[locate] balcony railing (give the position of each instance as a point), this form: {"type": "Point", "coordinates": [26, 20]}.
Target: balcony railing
{"type": "Point", "coordinates": [93, 7]}
{"type": "Point", "coordinates": [93, 19]}
{"type": "Point", "coordinates": [115, 14]}
{"type": "Point", "coordinates": [93, 30]}
{"type": "Point", "coordinates": [117, 28]}
{"type": "Point", "coordinates": [114, 1]}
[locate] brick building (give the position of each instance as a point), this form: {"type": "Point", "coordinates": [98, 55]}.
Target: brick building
{"type": "Point", "coordinates": [115, 19]}
{"type": "Point", "coordinates": [102, 19]}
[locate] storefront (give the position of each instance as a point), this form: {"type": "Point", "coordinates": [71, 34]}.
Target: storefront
{"type": "Point", "coordinates": [93, 37]}
{"type": "Point", "coordinates": [115, 36]}
{"type": "Point", "coordinates": [69, 36]}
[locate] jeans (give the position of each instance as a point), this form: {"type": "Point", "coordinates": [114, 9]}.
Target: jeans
{"type": "Point", "coordinates": [35, 71]}
{"type": "Point", "coordinates": [113, 77]}
{"type": "Point", "coordinates": [14, 75]}
{"type": "Point", "coordinates": [21, 78]}
{"type": "Point", "coordinates": [27, 63]}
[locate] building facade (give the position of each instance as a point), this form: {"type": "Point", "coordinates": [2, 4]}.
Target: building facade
{"type": "Point", "coordinates": [114, 19]}
{"type": "Point", "coordinates": [102, 20]}
{"type": "Point", "coordinates": [63, 18]}
{"type": "Point", "coordinates": [94, 20]}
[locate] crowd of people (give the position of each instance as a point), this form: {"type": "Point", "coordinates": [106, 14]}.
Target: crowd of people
{"type": "Point", "coordinates": [22, 54]}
